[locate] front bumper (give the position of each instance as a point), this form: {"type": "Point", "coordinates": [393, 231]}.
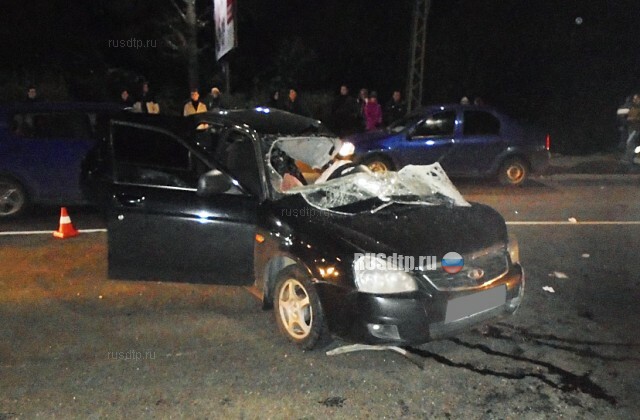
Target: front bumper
{"type": "Point", "coordinates": [417, 317]}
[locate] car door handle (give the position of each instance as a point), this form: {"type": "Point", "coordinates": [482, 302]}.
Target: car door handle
{"type": "Point", "coordinates": [130, 200]}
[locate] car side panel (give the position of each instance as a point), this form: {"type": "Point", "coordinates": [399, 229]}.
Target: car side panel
{"type": "Point", "coordinates": [174, 235]}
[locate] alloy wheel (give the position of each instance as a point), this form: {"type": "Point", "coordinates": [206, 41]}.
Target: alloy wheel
{"type": "Point", "coordinates": [295, 309]}
{"type": "Point", "coordinates": [12, 198]}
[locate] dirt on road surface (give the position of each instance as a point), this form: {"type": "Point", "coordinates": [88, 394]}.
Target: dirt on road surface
{"type": "Point", "coordinates": [74, 344]}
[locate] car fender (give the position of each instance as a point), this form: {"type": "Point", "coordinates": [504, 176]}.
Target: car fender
{"type": "Point", "coordinates": [275, 250]}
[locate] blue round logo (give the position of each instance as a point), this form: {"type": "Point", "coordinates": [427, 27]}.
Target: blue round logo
{"type": "Point", "coordinates": [452, 262]}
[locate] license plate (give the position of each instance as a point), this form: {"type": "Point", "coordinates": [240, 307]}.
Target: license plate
{"type": "Point", "coordinates": [469, 305]}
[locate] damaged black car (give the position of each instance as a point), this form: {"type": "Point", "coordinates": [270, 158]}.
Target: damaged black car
{"type": "Point", "coordinates": [251, 199]}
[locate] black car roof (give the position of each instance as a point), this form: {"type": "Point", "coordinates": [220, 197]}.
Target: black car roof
{"type": "Point", "coordinates": [42, 106]}
{"type": "Point", "coordinates": [271, 122]}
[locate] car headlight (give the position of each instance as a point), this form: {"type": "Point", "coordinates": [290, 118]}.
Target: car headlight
{"type": "Point", "coordinates": [514, 249]}
{"type": "Point", "coordinates": [347, 149]}
{"type": "Point", "coordinates": [374, 275]}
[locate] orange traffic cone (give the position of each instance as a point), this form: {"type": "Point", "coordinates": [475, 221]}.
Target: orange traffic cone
{"type": "Point", "coordinates": [66, 229]}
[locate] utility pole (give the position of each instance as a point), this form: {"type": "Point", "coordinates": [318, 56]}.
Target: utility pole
{"type": "Point", "coordinates": [417, 53]}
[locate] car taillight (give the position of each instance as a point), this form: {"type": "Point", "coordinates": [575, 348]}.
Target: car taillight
{"type": "Point", "coordinates": [547, 142]}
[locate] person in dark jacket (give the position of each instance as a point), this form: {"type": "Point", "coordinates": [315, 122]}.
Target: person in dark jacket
{"type": "Point", "coordinates": [345, 114]}
{"type": "Point", "coordinates": [274, 100]}
{"type": "Point", "coordinates": [294, 105]}
{"type": "Point", "coordinates": [395, 109]}
{"type": "Point", "coordinates": [213, 101]}
{"type": "Point", "coordinates": [362, 99]}
{"type": "Point", "coordinates": [125, 99]}
{"type": "Point", "coordinates": [146, 101]}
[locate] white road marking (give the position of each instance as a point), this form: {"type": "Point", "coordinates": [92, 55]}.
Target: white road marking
{"type": "Point", "coordinates": [47, 232]}
{"type": "Point", "coordinates": [586, 222]}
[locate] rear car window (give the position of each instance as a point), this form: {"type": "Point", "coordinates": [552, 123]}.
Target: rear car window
{"type": "Point", "coordinates": [480, 123]}
{"type": "Point", "coordinates": [58, 125]}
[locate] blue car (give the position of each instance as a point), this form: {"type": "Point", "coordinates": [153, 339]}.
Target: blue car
{"type": "Point", "coordinates": [467, 140]}
{"type": "Point", "coordinates": [42, 146]}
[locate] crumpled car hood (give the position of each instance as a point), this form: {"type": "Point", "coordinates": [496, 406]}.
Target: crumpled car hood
{"type": "Point", "coordinates": [406, 229]}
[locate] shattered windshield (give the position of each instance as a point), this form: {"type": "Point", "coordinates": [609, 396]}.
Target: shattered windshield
{"type": "Point", "coordinates": [349, 184]}
{"type": "Point", "coordinates": [422, 185]}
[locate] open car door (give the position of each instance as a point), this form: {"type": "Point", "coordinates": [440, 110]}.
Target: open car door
{"type": "Point", "coordinates": [161, 228]}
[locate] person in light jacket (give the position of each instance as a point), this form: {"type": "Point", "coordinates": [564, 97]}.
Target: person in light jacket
{"type": "Point", "coordinates": [194, 106]}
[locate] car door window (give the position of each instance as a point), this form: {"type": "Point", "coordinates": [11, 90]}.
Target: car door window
{"type": "Point", "coordinates": [32, 125]}
{"type": "Point", "coordinates": [438, 124]}
{"type": "Point", "coordinates": [59, 125]}
{"type": "Point", "coordinates": [478, 123]}
{"type": "Point", "coordinates": [149, 157]}
{"type": "Point", "coordinates": [236, 153]}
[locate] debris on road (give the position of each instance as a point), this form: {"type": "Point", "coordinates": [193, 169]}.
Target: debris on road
{"type": "Point", "coordinates": [558, 275]}
{"type": "Point", "coordinates": [414, 358]}
{"type": "Point", "coordinates": [585, 255]}
{"type": "Point", "coordinates": [548, 289]}
{"type": "Point", "coordinates": [573, 220]}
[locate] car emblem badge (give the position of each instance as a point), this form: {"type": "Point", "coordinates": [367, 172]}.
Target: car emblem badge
{"type": "Point", "coordinates": [475, 274]}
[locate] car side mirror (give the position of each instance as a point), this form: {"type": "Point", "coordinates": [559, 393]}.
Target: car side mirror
{"type": "Point", "coordinates": [213, 182]}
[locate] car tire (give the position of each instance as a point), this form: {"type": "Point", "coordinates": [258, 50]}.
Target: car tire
{"type": "Point", "coordinates": [379, 164]}
{"type": "Point", "coordinates": [513, 171]}
{"type": "Point", "coordinates": [13, 198]}
{"type": "Point", "coordinates": [298, 310]}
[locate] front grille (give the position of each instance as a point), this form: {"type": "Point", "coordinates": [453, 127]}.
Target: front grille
{"type": "Point", "coordinates": [494, 263]}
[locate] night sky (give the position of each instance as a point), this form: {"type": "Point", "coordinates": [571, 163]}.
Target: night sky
{"type": "Point", "coordinates": [565, 64]}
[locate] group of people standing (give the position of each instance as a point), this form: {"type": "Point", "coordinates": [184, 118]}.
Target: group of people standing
{"type": "Point", "coordinates": [291, 103]}
{"type": "Point", "coordinates": [145, 102]}
{"type": "Point", "coordinates": [349, 115]}
{"type": "Point", "coordinates": [212, 102]}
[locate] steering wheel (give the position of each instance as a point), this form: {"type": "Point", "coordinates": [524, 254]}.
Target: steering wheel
{"type": "Point", "coordinates": [348, 169]}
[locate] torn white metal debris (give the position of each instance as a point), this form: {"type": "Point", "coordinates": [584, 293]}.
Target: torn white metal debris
{"type": "Point", "coordinates": [414, 358]}
{"type": "Point", "coordinates": [558, 275]}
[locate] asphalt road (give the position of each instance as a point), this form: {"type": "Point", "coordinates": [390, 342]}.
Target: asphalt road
{"type": "Point", "coordinates": [76, 345]}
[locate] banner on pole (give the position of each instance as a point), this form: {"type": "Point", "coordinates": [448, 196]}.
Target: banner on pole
{"type": "Point", "coordinates": [224, 17]}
